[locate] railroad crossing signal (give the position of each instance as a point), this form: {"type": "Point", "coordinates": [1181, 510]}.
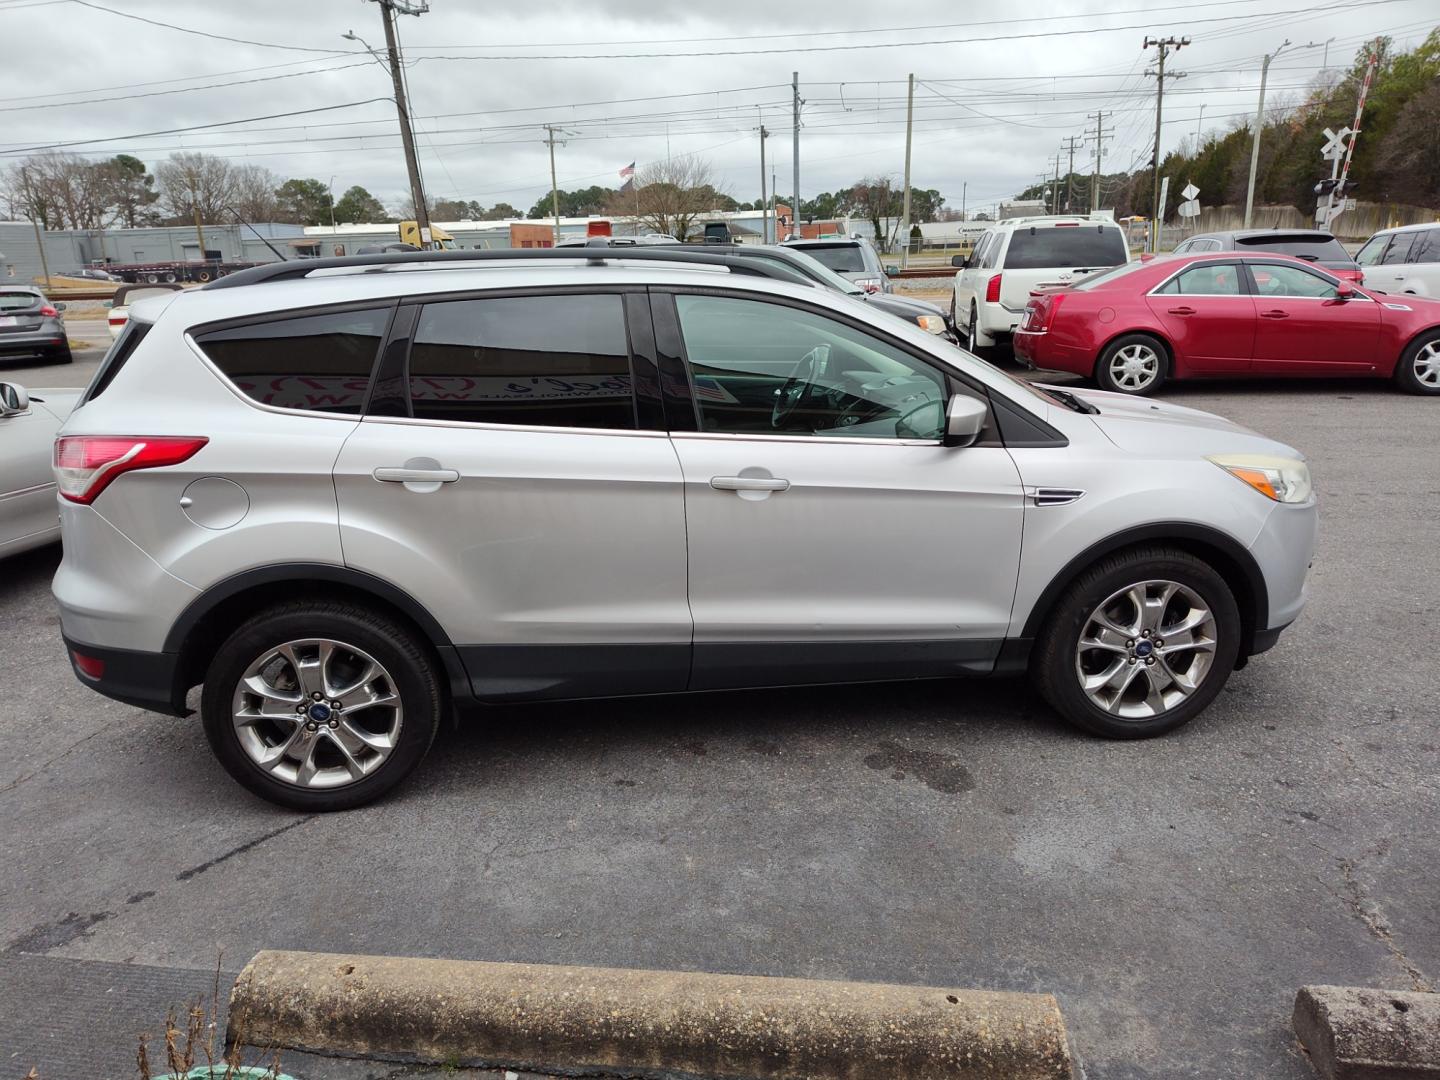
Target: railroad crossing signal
{"type": "Point", "coordinates": [1334, 148]}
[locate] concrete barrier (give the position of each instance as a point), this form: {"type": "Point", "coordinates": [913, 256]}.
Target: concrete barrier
{"type": "Point", "coordinates": [1357, 1033]}
{"type": "Point", "coordinates": [600, 1021]}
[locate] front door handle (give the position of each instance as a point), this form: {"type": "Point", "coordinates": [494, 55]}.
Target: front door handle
{"type": "Point", "coordinates": [1274, 314]}
{"type": "Point", "coordinates": [748, 483]}
{"type": "Point", "coordinates": [1182, 311]}
{"type": "Point", "coordinates": [416, 476]}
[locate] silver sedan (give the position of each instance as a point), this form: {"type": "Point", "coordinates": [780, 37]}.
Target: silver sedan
{"type": "Point", "coordinates": [28, 423]}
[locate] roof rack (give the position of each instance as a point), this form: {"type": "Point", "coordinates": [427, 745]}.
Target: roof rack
{"type": "Point", "coordinates": [592, 256]}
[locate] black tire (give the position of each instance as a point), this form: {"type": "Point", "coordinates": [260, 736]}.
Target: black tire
{"type": "Point", "coordinates": [1407, 376]}
{"type": "Point", "coordinates": [982, 351]}
{"type": "Point", "coordinates": [62, 355]}
{"type": "Point", "coordinates": [1054, 667]}
{"type": "Point", "coordinates": [1144, 343]}
{"type": "Point", "coordinates": [406, 661]}
{"type": "Point", "coordinates": [203, 276]}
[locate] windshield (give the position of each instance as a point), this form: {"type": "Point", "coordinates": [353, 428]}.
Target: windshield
{"type": "Point", "coordinates": [1313, 248]}
{"type": "Point", "coordinates": [846, 258]}
{"type": "Point", "coordinates": [1108, 275]}
{"type": "Point", "coordinates": [1060, 246]}
{"type": "Point", "coordinates": [824, 273]}
{"type": "Point", "coordinates": [14, 301]}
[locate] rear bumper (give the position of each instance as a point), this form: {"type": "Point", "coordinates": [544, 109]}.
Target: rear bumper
{"type": "Point", "coordinates": [31, 341]}
{"type": "Point", "coordinates": [144, 679]}
{"type": "Point", "coordinates": [1042, 350]}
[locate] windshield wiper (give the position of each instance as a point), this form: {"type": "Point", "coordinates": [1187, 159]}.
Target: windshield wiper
{"type": "Point", "coordinates": [1070, 401]}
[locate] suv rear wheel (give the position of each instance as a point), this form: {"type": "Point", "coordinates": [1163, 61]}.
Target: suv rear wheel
{"type": "Point", "coordinates": [321, 706]}
{"type": "Point", "coordinates": [1139, 645]}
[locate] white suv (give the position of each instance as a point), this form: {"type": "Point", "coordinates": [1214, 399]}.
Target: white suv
{"type": "Point", "coordinates": [1013, 257]}
{"type": "Point", "coordinates": [347, 494]}
{"type": "Point", "coordinates": [1403, 260]}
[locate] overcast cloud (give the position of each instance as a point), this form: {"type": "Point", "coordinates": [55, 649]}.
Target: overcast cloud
{"type": "Point", "coordinates": [989, 114]}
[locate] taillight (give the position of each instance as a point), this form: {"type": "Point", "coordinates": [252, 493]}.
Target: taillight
{"type": "Point", "coordinates": [49, 312]}
{"type": "Point", "coordinates": [992, 290]}
{"type": "Point", "coordinates": [86, 464]}
{"type": "Point", "coordinates": [119, 320]}
{"type": "Point", "coordinates": [92, 667]}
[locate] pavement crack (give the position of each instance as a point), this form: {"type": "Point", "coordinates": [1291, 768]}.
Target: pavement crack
{"type": "Point", "coordinates": [196, 871]}
{"type": "Point", "coordinates": [1357, 900]}
{"type": "Point", "coordinates": [48, 762]}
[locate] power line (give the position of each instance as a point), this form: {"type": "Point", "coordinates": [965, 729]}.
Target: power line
{"type": "Point", "coordinates": [197, 33]}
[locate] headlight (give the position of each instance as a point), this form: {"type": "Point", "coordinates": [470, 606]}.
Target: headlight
{"type": "Point", "coordinates": [1283, 479]}
{"type": "Point", "coordinates": [932, 323]}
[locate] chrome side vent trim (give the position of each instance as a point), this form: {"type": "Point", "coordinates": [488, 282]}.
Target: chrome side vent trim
{"type": "Point", "coordinates": [1049, 496]}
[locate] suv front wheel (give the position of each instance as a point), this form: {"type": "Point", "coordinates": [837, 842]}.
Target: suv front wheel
{"type": "Point", "coordinates": [1139, 645]}
{"type": "Point", "coordinates": [321, 706]}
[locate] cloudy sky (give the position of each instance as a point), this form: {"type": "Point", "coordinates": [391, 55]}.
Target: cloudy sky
{"type": "Point", "coordinates": [626, 80]}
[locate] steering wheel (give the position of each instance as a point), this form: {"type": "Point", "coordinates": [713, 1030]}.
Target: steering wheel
{"type": "Point", "coordinates": [797, 386]}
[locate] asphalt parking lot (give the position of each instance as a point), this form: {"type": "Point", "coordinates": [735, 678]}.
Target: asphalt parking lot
{"type": "Point", "coordinates": [1174, 894]}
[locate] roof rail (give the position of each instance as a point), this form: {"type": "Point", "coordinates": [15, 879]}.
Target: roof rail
{"type": "Point", "coordinates": [593, 256]}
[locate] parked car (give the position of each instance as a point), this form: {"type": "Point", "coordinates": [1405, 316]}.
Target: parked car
{"type": "Point", "coordinates": [28, 424]}
{"type": "Point", "coordinates": [1013, 257]}
{"type": "Point", "coordinates": [1229, 315]}
{"type": "Point", "coordinates": [344, 500]}
{"type": "Point", "coordinates": [1403, 260]}
{"type": "Point", "coordinates": [31, 325]}
{"type": "Point", "coordinates": [126, 295]}
{"type": "Point", "coordinates": [1316, 247]}
{"type": "Point", "coordinates": [91, 272]}
{"type": "Point", "coordinates": [851, 257]}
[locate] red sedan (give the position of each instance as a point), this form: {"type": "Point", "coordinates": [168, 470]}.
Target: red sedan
{"type": "Point", "coordinates": [1226, 314]}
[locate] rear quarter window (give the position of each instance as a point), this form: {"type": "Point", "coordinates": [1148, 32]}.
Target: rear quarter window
{"type": "Point", "coordinates": [1055, 247]}
{"type": "Point", "coordinates": [319, 363]}
{"type": "Point", "coordinates": [121, 349]}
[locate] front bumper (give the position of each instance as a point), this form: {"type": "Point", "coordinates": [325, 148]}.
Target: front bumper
{"type": "Point", "coordinates": [143, 679]}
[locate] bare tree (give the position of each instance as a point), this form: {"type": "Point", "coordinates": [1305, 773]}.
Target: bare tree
{"type": "Point", "coordinates": [193, 180]}
{"type": "Point", "coordinates": [253, 195]}
{"type": "Point", "coordinates": [61, 191]}
{"type": "Point", "coordinates": [874, 197]}
{"type": "Point", "coordinates": [669, 196]}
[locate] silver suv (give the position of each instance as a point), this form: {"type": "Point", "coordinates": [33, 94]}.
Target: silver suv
{"type": "Point", "coordinates": [346, 495]}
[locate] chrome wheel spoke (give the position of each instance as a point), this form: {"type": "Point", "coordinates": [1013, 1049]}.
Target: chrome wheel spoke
{"type": "Point", "coordinates": [1098, 682]}
{"type": "Point", "coordinates": [357, 740]}
{"type": "Point", "coordinates": [308, 769]}
{"type": "Point", "coordinates": [1107, 639]}
{"type": "Point", "coordinates": [1135, 671]}
{"type": "Point", "coordinates": [350, 754]}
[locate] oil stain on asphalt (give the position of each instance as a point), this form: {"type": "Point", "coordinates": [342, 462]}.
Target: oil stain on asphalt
{"type": "Point", "coordinates": [938, 772]}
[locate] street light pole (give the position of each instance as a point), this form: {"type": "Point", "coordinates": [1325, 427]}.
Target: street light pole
{"type": "Point", "coordinates": [1255, 135]}
{"type": "Point", "coordinates": [905, 203]}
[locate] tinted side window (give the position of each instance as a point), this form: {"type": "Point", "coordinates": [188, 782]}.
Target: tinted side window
{"type": "Point", "coordinates": [1207, 279]}
{"type": "Point", "coordinates": [1064, 246]}
{"type": "Point", "coordinates": [1427, 248]}
{"type": "Point", "coordinates": [1275, 280]}
{"type": "Point", "coordinates": [320, 363]}
{"type": "Point", "coordinates": [554, 361]}
{"type": "Point", "coordinates": [771, 369]}
{"type": "Point", "coordinates": [121, 350]}
{"type": "Point", "coordinates": [1399, 248]}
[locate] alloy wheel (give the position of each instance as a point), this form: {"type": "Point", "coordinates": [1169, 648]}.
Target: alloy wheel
{"type": "Point", "coordinates": [317, 713]}
{"type": "Point", "coordinates": [1146, 649]}
{"type": "Point", "coordinates": [1134, 367]}
{"type": "Point", "coordinates": [1427, 364]}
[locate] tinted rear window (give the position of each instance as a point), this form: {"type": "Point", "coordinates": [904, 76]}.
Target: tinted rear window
{"type": "Point", "coordinates": [320, 363]}
{"type": "Point", "coordinates": [17, 301]}
{"type": "Point", "coordinates": [1064, 246]}
{"type": "Point", "coordinates": [1320, 248]}
{"type": "Point", "coordinates": [1104, 277]}
{"type": "Point", "coordinates": [843, 258]}
{"type": "Point", "coordinates": [121, 349]}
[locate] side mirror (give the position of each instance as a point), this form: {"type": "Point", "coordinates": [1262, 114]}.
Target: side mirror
{"type": "Point", "coordinates": [13, 399]}
{"type": "Point", "coordinates": [964, 420]}
{"type": "Point", "coordinates": [1345, 291]}
{"type": "Point", "coordinates": [892, 271]}
{"type": "Point", "coordinates": [58, 307]}
{"type": "Point", "coordinates": [960, 262]}
{"type": "Point", "coordinates": [108, 304]}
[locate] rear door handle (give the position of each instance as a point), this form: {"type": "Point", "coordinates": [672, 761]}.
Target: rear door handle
{"type": "Point", "coordinates": [748, 483]}
{"type": "Point", "coordinates": [416, 476]}
{"type": "Point", "coordinates": [1182, 311]}
{"type": "Point", "coordinates": [1274, 314]}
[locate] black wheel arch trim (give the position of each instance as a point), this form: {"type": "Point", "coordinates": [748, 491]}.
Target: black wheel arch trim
{"type": "Point", "coordinates": [1254, 608]}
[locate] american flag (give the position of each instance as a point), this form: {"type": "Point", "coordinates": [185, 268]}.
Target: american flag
{"type": "Point", "coordinates": [628, 171]}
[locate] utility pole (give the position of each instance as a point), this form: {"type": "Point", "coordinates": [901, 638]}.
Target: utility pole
{"type": "Point", "coordinates": [554, 187]}
{"type": "Point", "coordinates": [1163, 46]}
{"type": "Point", "coordinates": [195, 210]}
{"type": "Point", "coordinates": [905, 203]}
{"type": "Point", "coordinates": [1070, 141]}
{"type": "Point", "coordinates": [1255, 134]}
{"type": "Point", "coordinates": [1055, 190]}
{"type": "Point", "coordinates": [407, 136]}
{"type": "Point", "coordinates": [795, 154]}
{"type": "Point", "coordinates": [1100, 137]}
{"type": "Point", "coordinates": [764, 198]}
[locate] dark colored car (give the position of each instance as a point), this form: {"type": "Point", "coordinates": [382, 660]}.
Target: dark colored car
{"type": "Point", "coordinates": [1226, 316]}
{"type": "Point", "coordinates": [1312, 245]}
{"type": "Point", "coordinates": [31, 324]}
{"type": "Point", "coordinates": [851, 257]}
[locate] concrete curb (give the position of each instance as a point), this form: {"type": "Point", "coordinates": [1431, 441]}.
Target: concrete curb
{"type": "Point", "coordinates": [1356, 1033]}
{"type": "Point", "coordinates": [609, 1021]}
